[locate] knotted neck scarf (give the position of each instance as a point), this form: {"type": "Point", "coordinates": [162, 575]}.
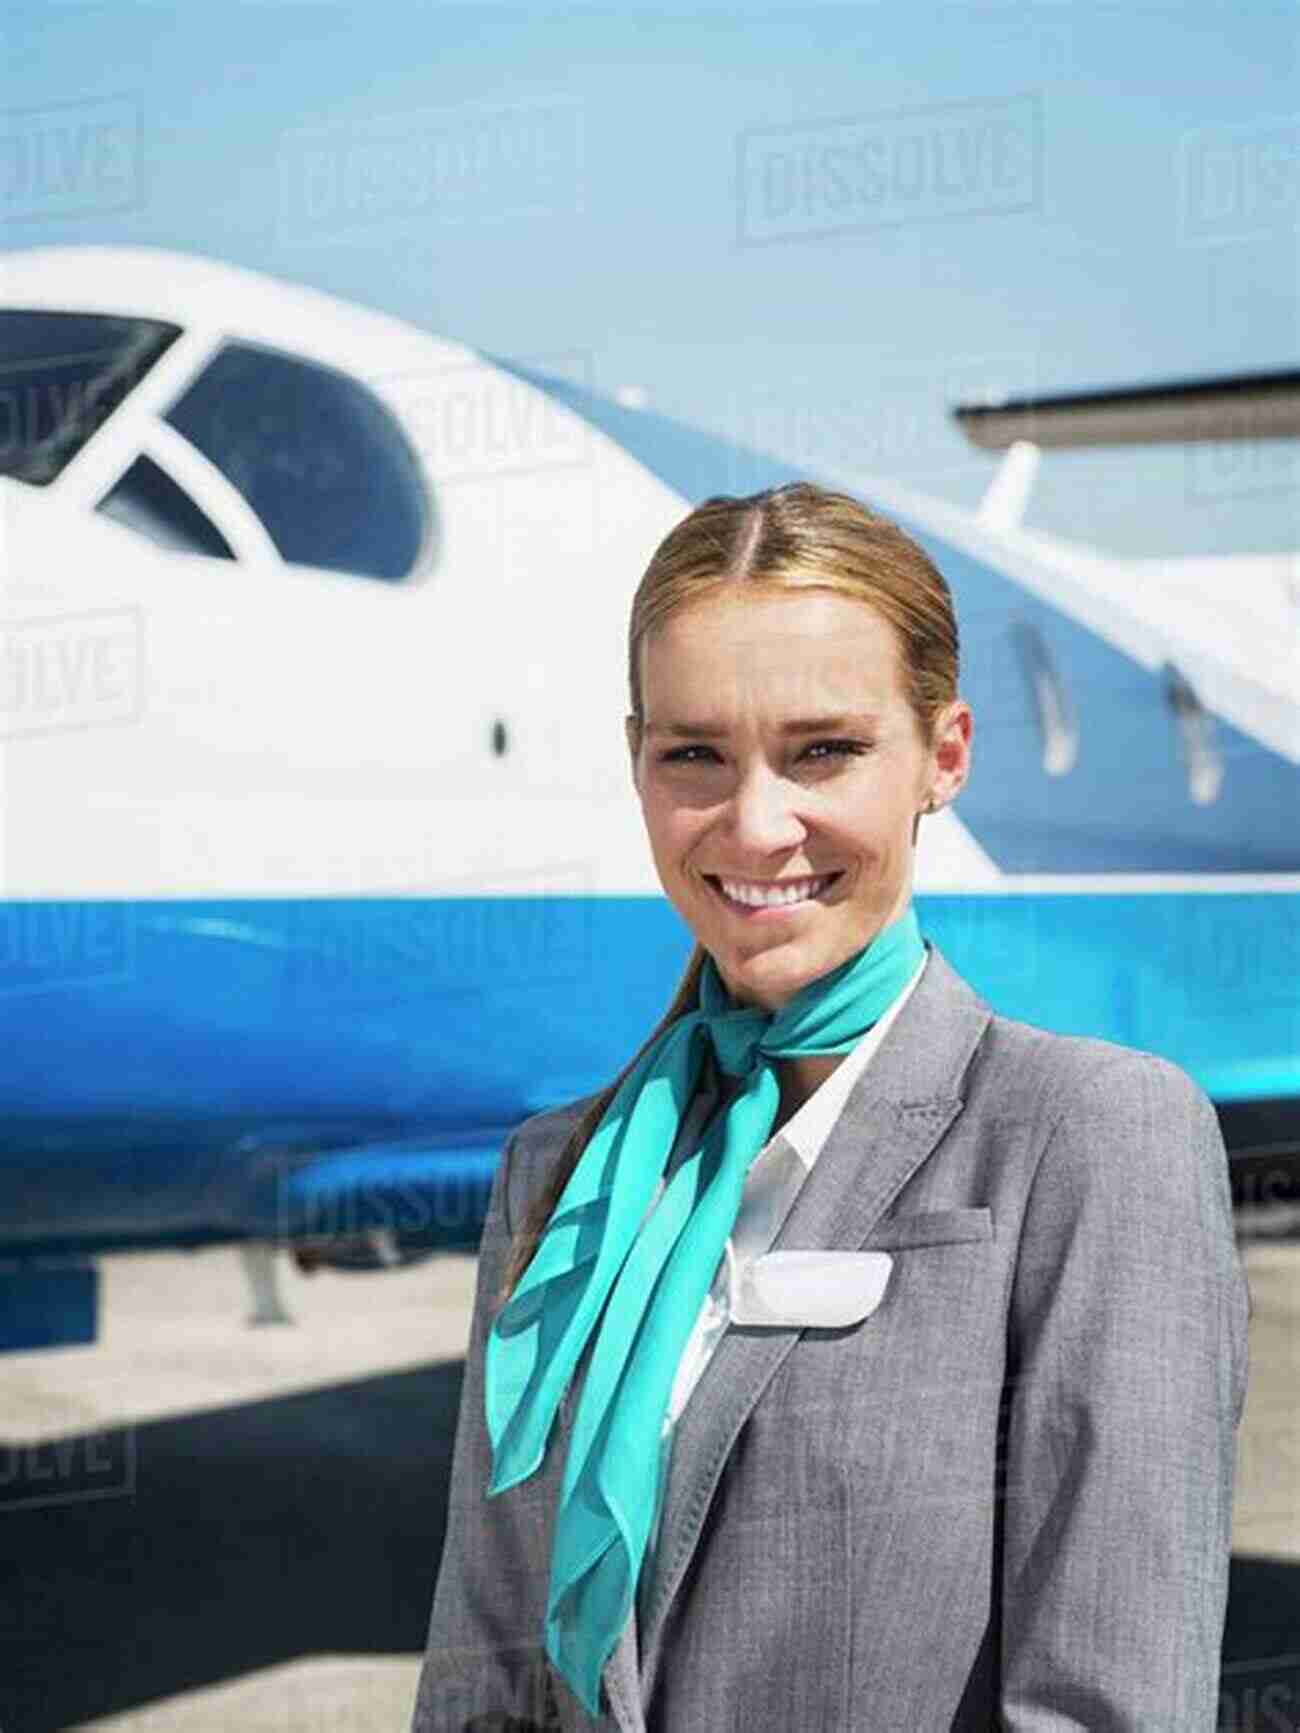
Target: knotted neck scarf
{"type": "Point", "coordinates": [638, 1281]}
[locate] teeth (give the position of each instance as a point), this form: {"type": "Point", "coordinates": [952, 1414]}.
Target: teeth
{"type": "Point", "coordinates": [758, 898]}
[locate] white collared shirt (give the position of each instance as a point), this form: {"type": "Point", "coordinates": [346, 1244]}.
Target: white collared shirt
{"type": "Point", "coordinates": [771, 1185]}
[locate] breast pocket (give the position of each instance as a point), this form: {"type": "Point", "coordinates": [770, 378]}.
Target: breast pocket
{"type": "Point", "coordinates": [931, 1227]}
{"type": "Point", "coordinates": [943, 1305]}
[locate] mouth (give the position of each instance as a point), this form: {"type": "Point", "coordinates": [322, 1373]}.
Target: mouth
{"type": "Point", "coordinates": [812, 891]}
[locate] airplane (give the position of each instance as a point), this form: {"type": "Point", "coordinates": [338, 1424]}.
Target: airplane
{"type": "Point", "coordinates": [322, 866]}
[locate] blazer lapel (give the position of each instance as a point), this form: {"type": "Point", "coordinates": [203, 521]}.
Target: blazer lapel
{"type": "Point", "coordinates": [892, 1119]}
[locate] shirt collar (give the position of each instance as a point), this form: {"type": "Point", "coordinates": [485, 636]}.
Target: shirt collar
{"type": "Point", "coordinates": [807, 1129]}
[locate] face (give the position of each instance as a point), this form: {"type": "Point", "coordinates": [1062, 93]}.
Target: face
{"type": "Point", "coordinates": [733, 785]}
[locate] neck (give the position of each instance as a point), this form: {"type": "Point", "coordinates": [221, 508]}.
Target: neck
{"type": "Point", "coordinates": [800, 1078]}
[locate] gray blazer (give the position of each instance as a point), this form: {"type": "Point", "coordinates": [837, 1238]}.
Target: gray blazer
{"type": "Point", "coordinates": [1002, 1501]}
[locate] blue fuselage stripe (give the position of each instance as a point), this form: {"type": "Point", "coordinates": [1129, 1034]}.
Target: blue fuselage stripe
{"type": "Point", "coordinates": [193, 1047]}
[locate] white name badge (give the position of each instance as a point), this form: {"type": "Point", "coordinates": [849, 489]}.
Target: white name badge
{"type": "Point", "coordinates": [796, 1289]}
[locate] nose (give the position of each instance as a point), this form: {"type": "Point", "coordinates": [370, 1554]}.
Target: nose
{"type": "Point", "coordinates": [762, 818]}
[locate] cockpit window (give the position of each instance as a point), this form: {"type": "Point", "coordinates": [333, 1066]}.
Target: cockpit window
{"type": "Point", "coordinates": [319, 458]}
{"type": "Point", "coordinates": [146, 499]}
{"type": "Point", "coordinates": [61, 376]}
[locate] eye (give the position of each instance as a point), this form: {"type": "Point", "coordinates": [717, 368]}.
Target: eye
{"type": "Point", "coordinates": [678, 755]}
{"type": "Point", "coordinates": [838, 749]}
{"type": "Point", "coordinates": [842, 748]}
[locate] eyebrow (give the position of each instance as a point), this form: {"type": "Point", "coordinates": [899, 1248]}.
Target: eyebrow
{"type": "Point", "coordinates": [804, 725]}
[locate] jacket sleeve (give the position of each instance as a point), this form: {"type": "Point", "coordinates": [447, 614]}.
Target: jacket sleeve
{"type": "Point", "coordinates": [1128, 1361]}
{"type": "Point", "coordinates": [484, 1669]}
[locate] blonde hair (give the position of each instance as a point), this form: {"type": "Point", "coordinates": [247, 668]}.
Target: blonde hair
{"type": "Point", "coordinates": [795, 537]}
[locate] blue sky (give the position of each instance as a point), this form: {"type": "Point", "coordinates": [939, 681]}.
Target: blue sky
{"type": "Point", "coordinates": [1032, 194]}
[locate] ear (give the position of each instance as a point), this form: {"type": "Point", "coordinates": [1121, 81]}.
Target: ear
{"type": "Point", "coordinates": [951, 754]}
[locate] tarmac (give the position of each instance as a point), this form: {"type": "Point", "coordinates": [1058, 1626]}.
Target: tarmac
{"type": "Point", "coordinates": [212, 1524]}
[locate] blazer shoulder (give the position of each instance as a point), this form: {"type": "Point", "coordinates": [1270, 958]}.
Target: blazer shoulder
{"type": "Point", "coordinates": [1056, 1071]}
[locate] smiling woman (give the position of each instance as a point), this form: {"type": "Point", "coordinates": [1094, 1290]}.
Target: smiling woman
{"type": "Point", "coordinates": [815, 1359]}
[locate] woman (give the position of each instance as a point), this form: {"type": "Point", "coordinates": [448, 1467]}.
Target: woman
{"type": "Point", "coordinates": [859, 1358]}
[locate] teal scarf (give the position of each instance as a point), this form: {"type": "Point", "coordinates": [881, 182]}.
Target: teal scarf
{"type": "Point", "coordinates": [651, 1276]}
